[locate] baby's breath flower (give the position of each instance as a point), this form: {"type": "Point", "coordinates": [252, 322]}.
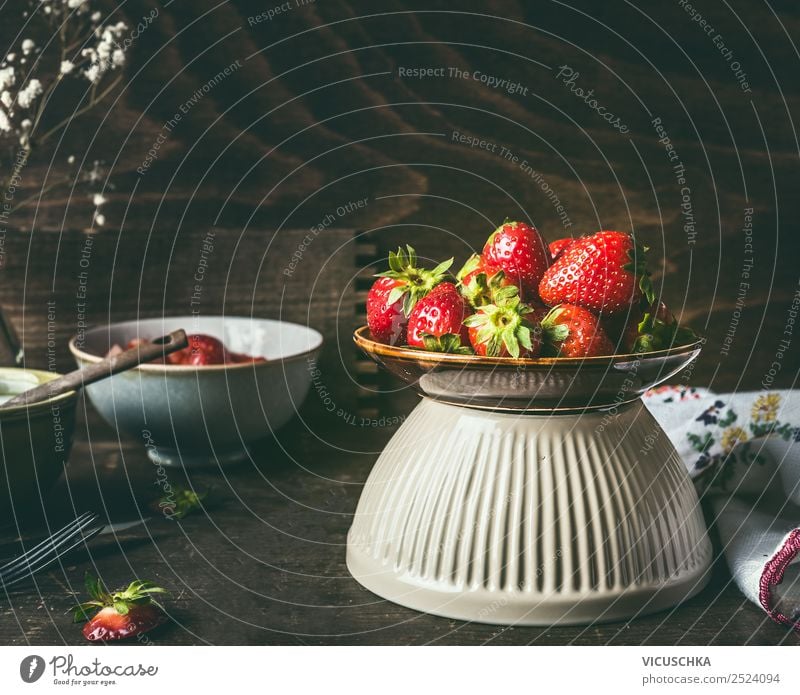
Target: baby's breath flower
{"type": "Point", "coordinates": [28, 93]}
{"type": "Point", "coordinates": [67, 66]}
{"type": "Point", "coordinates": [10, 57]}
{"type": "Point", "coordinates": [27, 46]}
{"type": "Point", "coordinates": [6, 99]}
{"type": "Point", "coordinates": [71, 159]}
{"type": "Point", "coordinates": [98, 199]}
{"type": "Point", "coordinates": [5, 124]}
{"type": "Point", "coordinates": [7, 77]}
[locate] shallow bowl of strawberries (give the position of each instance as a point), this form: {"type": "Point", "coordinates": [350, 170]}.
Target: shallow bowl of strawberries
{"type": "Point", "coordinates": [238, 381]}
{"type": "Point", "coordinates": [527, 326]}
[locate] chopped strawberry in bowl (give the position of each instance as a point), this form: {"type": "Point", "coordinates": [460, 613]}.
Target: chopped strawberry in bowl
{"type": "Point", "coordinates": [238, 381]}
{"type": "Point", "coordinates": [203, 350]}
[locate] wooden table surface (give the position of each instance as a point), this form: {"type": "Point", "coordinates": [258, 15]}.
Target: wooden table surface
{"type": "Point", "coordinates": [264, 562]}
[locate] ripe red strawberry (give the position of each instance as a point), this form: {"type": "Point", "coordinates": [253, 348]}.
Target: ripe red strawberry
{"type": "Point", "coordinates": [520, 252]}
{"type": "Point", "coordinates": [394, 294]}
{"type": "Point", "coordinates": [478, 282]}
{"type": "Point", "coordinates": [604, 272]}
{"type": "Point", "coordinates": [439, 313]}
{"type": "Point", "coordinates": [504, 329]}
{"type": "Point", "coordinates": [119, 614]}
{"type": "Point", "coordinates": [559, 245]}
{"type": "Point", "coordinates": [572, 331]}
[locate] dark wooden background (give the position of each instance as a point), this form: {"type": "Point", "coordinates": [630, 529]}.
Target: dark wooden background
{"type": "Point", "coordinates": [318, 116]}
{"type": "Point", "coordinates": [314, 117]}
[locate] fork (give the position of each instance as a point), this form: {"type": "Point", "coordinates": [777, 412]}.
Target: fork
{"type": "Point", "coordinates": [51, 549]}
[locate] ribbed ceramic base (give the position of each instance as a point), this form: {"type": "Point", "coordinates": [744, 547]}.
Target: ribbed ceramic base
{"type": "Point", "coordinates": [529, 520]}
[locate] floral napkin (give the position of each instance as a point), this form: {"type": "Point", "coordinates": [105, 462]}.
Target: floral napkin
{"type": "Point", "coordinates": [743, 452]}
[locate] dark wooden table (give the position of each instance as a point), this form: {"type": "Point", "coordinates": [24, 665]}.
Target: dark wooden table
{"type": "Point", "coordinates": [264, 561]}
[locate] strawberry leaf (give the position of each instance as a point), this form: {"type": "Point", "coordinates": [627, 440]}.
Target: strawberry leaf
{"type": "Point", "coordinates": [638, 266]}
{"type": "Point", "coordinates": [502, 325]}
{"type": "Point", "coordinates": [395, 294]}
{"type": "Point", "coordinates": [553, 333]}
{"type": "Point", "coordinates": [470, 266]}
{"type": "Point", "coordinates": [443, 267]}
{"type": "Point", "coordinates": [138, 592]}
{"type": "Point", "coordinates": [413, 283]}
{"type": "Point", "coordinates": [448, 343]}
{"type": "Point", "coordinates": [182, 501]}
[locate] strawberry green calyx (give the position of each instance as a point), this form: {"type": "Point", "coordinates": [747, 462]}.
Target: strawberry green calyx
{"type": "Point", "coordinates": [502, 325]}
{"type": "Point", "coordinates": [138, 593]}
{"type": "Point", "coordinates": [472, 264]}
{"type": "Point", "coordinates": [638, 266]}
{"type": "Point", "coordinates": [657, 334]}
{"type": "Point", "coordinates": [449, 343]}
{"type": "Point", "coordinates": [413, 282]}
{"type": "Point", "coordinates": [482, 289]}
{"type": "Point", "coordinates": [552, 332]}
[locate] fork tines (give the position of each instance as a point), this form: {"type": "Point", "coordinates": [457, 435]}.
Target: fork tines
{"type": "Point", "coordinates": [49, 550]}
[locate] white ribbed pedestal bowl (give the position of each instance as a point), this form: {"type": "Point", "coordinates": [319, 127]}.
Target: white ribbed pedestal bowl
{"type": "Point", "coordinates": [517, 506]}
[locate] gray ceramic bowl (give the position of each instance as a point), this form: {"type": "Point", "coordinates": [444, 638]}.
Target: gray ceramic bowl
{"type": "Point", "coordinates": [194, 416]}
{"type": "Point", "coordinates": [34, 442]}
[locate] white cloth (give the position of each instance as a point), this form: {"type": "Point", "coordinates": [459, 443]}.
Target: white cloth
{"type": "Point", "coordinates": [743, 452]}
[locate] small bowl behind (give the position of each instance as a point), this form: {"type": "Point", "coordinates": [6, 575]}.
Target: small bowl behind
{"type": "Point", "coordinates": [34, 442]}
{"type": "Point", "coordinates": [195, 416]}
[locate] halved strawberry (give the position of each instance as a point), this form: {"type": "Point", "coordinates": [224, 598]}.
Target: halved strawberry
{"type": "Point", "coordinates": [439, 313]}
{"type": "Point", "coordinates": [504, 329]}
{"type": "Point", "coordinates": [572, 331]}
{"type": "Point", "coordinates": [395, 293]}
{"type": "Point", "coordinates": [520, 252]}
{"type": "Point", "coordinates": [119, 614]}
{"type": "Point", "coordinates": [604, 272]}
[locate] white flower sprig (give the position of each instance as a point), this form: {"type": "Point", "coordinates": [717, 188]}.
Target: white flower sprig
{"type": "Point", "coordinates": [82, 44]}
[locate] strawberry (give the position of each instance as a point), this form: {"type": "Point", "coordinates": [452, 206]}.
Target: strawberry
{"type": "Point", "coordinates": [520, 252]}
{"type": "Point", "coordinates": [120, 614]}
{"type": "Point", "coordinates": [559, 245]}
{"type": "Point", "coordinates": [395, 293]}
{"type": "Point", "coordinates": [479, 282]}
{"type": "Point", "coordinates": [572, 331]}
{"type": "Point", "coordinates": [442, 312]}
{"type": "Point", "coordinates": [604, 272]}
{"type": "Point", "coordinates": [653, 328]}
{"type": "Point", "coordinates": [504, 329]}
